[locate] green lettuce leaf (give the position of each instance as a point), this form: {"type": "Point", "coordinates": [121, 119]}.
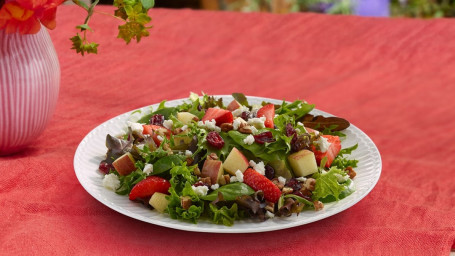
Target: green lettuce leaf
{"type": "Point", "coordinates": [230, 191]}
{"type": "Point", "coordinates": [327, 184]}
{"type": "Point", "coordinates": [224, 215]}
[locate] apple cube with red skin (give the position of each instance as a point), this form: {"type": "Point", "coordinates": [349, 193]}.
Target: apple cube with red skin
{"type": "Point", "coordinates": [235, 161]}
{"type": "Point", "coordinates": [233, 105]}
{"type": "Point", "coordinates": [124, 165]}
{"type": "Point", "coordinates": [212, 169]}
{"type": "Point", "coordinates": [303, 163]}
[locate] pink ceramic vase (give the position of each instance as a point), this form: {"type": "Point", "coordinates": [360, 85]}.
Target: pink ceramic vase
{"type": "Point", "coordinates": [29, 85]}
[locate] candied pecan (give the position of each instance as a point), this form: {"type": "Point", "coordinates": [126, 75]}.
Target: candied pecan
{"type": "Point", "coordinates": [212, 156]}
{"type": "Point", "coordinates": [287, 190]}
{"type": "Point", "coordinates": [246, 129]}
{"type": "Point", "coordinates": [227, 179]}
{"type": "Point", "coordinates": [206, 180]}
{"type": "Point", "coordinates": [350, 172]}
{"type": "Point", "coordinates": [196, 119]}
{"type": "Point", "coordinates": [225, 127]}
{"type": "Point", "coordinates": [189, 161]}
{"type": "Point", "coordinates": [305, 191]}
{"type": "Point", "coordinates": [310, 184]}
{"type": "Point", "coordinates": [270, 207]}
{"type": "Point", "coordinates": [318, 205]}
{"type": "Point", "coordinates": [185, 201]}
{"type": "Point", "coordinates": [278, 183]}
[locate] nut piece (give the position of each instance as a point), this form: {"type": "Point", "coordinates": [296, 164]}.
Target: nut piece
{"type": "Point", "coordinates": [310, 184]}
{"type": "Point", "coordinates": [185, 201]}
{"type": "Point", "coordinates": [196, 119]}
{"type": "Point", "coordinates": [225, 127]}
{"type": "Point", "coordinates": [206, 180]}
{"type": "Point", "coordinates": [270, 207]}
{"type": "Point", "coordinates": [350, 172]}
{"type": "Point", "coordinates": [197, 172]}
{"type": "Point", "coordinates": [287, 190]}
{"type": "Point", "coordinates": [278, 183]}
{"type": "Point", "coordinates": [227, 178]}
{"type": "Point", "coordinates": [212, 156]}
{"type": "Point", "coordinates": [246, 130]}
{"type": "Point", "coordinates": [318, 205]}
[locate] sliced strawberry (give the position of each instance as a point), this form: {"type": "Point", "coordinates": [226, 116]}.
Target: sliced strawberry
{"type": "Point", "coordinates": [155, 131]}
{"type": "Point", "coordinates": [220, 115]}
{"type": "Point", "coordinates": [259, 182]}
{"type": "Point", "coordinates": [146, 188]}
{"type": "Point", "coordinates": [332, 151]}
{"type": "Point", "coordinates": [269, 112]}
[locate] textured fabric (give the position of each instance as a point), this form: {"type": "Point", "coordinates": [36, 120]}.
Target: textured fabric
{"type": "Point", "coordinates": [392, 78]}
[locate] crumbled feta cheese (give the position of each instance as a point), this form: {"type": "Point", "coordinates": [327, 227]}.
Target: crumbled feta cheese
{"type": "Point", "coordinates": [341, 178]}
{"type": "Point", "coordinates": [111, 181]}
{"type": "Point", "coordinates": [255, 108]}
{"type": "Point", "coordinates": [214, 187]}
{"type": "Point", "coordinates": [257, 122]}
{"type": "Point", "coordinates": [302, 179]}
{"type": "Point", "coordinates": [135, 127]}
{"type": "Point", "coordinates": [259, 167]}
{"type": "Point", "coordinates": [249, 140]}
{"type": "Point", "coordinates": [233, 179]}
{"type": "Point", "coordinates": [240, 110]}
{"type": "Point", "coordinates": [237, 122]}
{"type": "Point", "coordinates": [282, 180]}
{"type": "Point", "coordinates": [323, 144]}
{"type": "Point", "coordinates": [168, 124]}
{"type": "Point", "coordinates": [238, 177]}
{"type": "Point", "coordinates": [269, 215]}
{"type": "Point", "coordinates": [300, 124]}
{"type": "Point", "coordinates": [184, 128]}
{"type": "Point", "coordinates": [209, 125]}
{"type": "Point", "coordinates": [148, 169]}
{"type": "Point", "coordinates": [160, 138]}
{"type": "Point", "coordinates": [200, 190]}
{"type": "Point", "coordinates": [188, 153]}
{"type": "Point", "coordinates": [254, 130]}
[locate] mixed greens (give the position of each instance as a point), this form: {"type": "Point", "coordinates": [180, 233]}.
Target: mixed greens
{"type": "Point", "coordinates": [202, 159]}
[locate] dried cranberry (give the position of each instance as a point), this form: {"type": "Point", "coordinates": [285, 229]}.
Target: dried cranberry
{"type": "Point", "coordinates": [105, 167]}
{"type": "Point", "coordinates": [264, 137]}
{"type": "Point", "coordinates": [245, 115]}
{"type": "Point", "coordinates": [301, 142]}
{"type": "Point", "coordinates": [157, 119]}
{"type": "Point", "coordinates": [269, 172]}
{"type": "Point", "coordinates": [294, 184]}
{"type": "Point", "coordinates": [290, 131]}
{"type": "Point", "coordinates": [215, 140]}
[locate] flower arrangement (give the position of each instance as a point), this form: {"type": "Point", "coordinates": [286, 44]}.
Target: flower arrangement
{"type": "Point", "coordinates": [26, 17]}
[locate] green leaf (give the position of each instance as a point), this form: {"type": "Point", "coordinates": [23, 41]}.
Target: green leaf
{"type": "Point", "coordinates": [230, 191]}
{"type": "Point", "coordinates": [342, 162]}
{"type": "Point", "coordinates": [127, 182]}
{"type": "Point", "coordinates": [299, 199]}
{"type": "Point", "coordinates": [84, 27]}
{"type": "Point", "coordinates": [147, 4]}
{"type": "Point", "coordinates": [82, 47]}
{"type": "Point", "coordinates": [166, 163]}
{"type": "Point", "coordinates": [241, 98]}
{"type": "Point", "coordinates": [224, 215]}
{"type": "Point", "coordinates": [132, 30]}
{"type": "Point", "coordinates": [327, 184]}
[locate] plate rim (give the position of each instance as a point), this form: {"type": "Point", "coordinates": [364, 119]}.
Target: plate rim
{"type": "Point", "coordinates": [185, 226]}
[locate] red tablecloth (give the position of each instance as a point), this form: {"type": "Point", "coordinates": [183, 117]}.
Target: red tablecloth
{"type": "Point", "coordinates": [392, 78]}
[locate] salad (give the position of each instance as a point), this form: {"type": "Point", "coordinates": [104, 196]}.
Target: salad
{"type": "Point", "coordinates": [202, 159]}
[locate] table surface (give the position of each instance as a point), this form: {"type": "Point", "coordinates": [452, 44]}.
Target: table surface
{"type": "Point", "coordinates": [392, 78]}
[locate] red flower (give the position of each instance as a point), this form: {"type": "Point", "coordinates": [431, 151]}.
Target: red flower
{"type": "Point", "coordinates": [25, 16]}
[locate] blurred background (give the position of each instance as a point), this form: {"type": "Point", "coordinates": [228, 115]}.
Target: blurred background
{"type": "Point", "coordinates": [374, 8]}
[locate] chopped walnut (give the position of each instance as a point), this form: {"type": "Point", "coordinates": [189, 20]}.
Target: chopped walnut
{"type": "Point", "coordinates": [318, 205]}
{"type": "Point", "coordinates": [189, 161]}
{"type": "Point", "coordinates": [225, 127]}
{"type": "Point", "coordinates": [270, 207]}
{"type": "Point", "coordinates": [246, 130]}
{"type": "Point", "coordinates": [305, 191]}
{"type": "Point", "coordinates": [212, 156]}
{"type": "Point", "coordinates": [278, 183]}
{"type": "Point", "coordinates": [227, 178]}
{"type": "Point", "coordinates": [195, 119]}
{"type": "Point", "coordinates": [310, 184]}
{"type": "Point", "coordinates": [185, 201]}
{"type": "Point", "coordinates": [350, 172]}
{"type": "Point", "coordinates": [206, 180]}
{"type": "Point", "coordinates": [287, 190]}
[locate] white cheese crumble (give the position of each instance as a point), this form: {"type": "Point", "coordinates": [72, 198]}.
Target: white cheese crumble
{"type": "Point", "coordinates": [168, 124]}
{"type": "Point", "coordinates": [341, 178]}
{"type": "Point", "coordinates": [302, 179]}
{"type": "Point", "coordinates": [111, 182]}
{"type": "Point", "coordinates": [282, 180]}
{"type": "Point", "coordinates": [160, 138]}
{"type": "Point", "coordinates": [209, 125]}
{"type": "Point", "coordinates": [148, 169]}
{"type": "Point", "coordinates": [240, 110]}
{"type": "Point", "coordinates": [135, 127]}
{"type": "Point", "coordinates": [184, 128]}
{"type": "Point", "coordinates": [238, 177]}
{"type": "Point", "coordinates": [255, 108]}
{"type": "Point", "coordinates": [237, 122]}
{"type": "Point", "coordinates": [249, 140]}
{"type": "Point", "coordinates": [257, 122]}
{"type": "Point", "coordinates": [254, 130]}
{"type": "Point", "coordinates": [200, 190]}
{"type": "Point", "coordinates": [300, 124]}
{"type": "Point", "coordinates": [214, 187]}
{"type": "Point", "coordinates": [269, 215]}
{"type": "Point", "coordinates": [188, 153]}
{"type": "Point", "coordinates": [259, 167]}
{"type": "Point", "coordinates": [323, 144]}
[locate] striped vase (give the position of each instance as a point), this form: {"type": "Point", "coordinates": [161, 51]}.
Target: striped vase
{"type": "Point", "coordinates": [29, 85]}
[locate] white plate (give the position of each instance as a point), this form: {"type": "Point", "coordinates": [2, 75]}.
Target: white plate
{"type": "Point", "coordinates": [92, 150]}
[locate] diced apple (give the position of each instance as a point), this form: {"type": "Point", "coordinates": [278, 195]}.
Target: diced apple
{"type": "Point", "coordinates": [233, 105]}
{"type": "Point", "coordinates": [281, 169]}
{"type": "Point", "coordinates": [235, 161]}
{"type": "Point", "coordinates": [182, 143]}
{"type": "Point", "coordinates": [185, 117]}
{"type": "Point", "coordinates": [303, 163]}
{"type": "Point", "coordinates": [159, 201]}
{"type": "Point", "coordinates": [124, 165]}
{"type": "Point", "coordinates": [212, 169]}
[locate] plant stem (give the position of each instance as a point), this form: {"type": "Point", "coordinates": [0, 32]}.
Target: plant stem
{"type": "Point", "coordinates": [107, 14]}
